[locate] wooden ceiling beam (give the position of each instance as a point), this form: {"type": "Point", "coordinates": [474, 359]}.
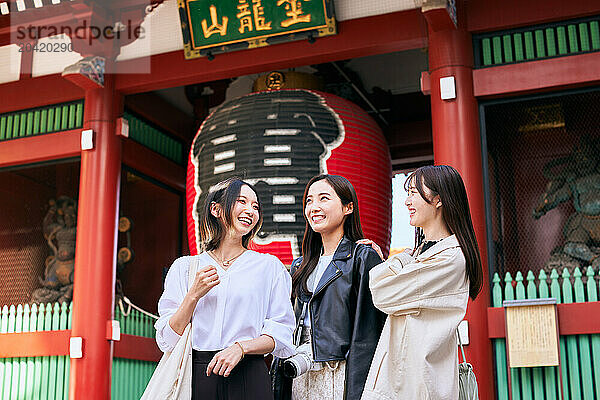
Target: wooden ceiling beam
{"type": "Point", "coordinates": [357, 38]}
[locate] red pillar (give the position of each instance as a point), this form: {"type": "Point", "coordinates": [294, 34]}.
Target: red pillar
{"type": "Point", "coordinates": [457, 142]}
{"type": "Point", "coordinates": [93, 296]}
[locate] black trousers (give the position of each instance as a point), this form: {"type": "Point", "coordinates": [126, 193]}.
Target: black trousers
{"type": "Point", "coordinates": [249, 380]}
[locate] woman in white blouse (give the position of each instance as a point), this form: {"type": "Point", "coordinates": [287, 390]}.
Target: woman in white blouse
{"type": "Point", "coordinates": [239, 302]}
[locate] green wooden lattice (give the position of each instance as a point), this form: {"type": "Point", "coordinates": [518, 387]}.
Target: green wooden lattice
{"type": "Point", "coordinates": [534, 43]}
{"type": "Point", "coordinates": [43, 378]}
{"type": "Point", "coordinates": [580, 354]}
{"type": "Point", "coordinates": [55, 118]}
{"type": "Point", "coordinates": [154, 138]}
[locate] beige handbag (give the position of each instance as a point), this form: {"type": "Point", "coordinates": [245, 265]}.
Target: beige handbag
{"type": "Point", "coordinates": [172, 378]}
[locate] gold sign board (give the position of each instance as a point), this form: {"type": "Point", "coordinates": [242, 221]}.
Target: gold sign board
{"type": "Point", "coordinates": [532, 333]}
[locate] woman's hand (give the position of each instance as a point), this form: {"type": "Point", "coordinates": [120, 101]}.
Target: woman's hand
{"type": "Point", "coordinates": [374, 245]}
{"type": "Point", "coordinates": [224, 361]}
{"type": "Point", "coordinates": [206, 279]}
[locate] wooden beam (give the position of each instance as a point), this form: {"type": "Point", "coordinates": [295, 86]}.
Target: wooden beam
{"type": "Point", "coordinates": [157, 110]}
{"type": "Point", "coordinates": [535, 76]}
{"type": "Point", "coordinates": [573, 319]}
{"type": "Point", "coordinates": [490, 15]}
{"type": "Point", "coordinates": [137, 348]}
{"type": "Point", "coordinates": [356, 38]}
{"type": "Point", "coordinates": [154, 165]}
{"type": "Point", "coordinates": [37, 92]}
{"type": "Point", "coordinates": [34, 344]}
{"type": "Point", "coordinates": [56, 343]}
{"type": "Point", "coordinates": [33, 149]}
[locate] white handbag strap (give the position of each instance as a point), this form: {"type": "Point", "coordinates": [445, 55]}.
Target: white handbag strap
{"type": "Point", "coordinates": [462, 350]}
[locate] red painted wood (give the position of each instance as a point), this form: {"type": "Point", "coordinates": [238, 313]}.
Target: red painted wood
{"type": "Point", "coordinates": [457, 142]}
{"type": "Point", "coordinates": [33, 344]}
{"type": "Point", "coordinates": [26, 64]}
{"type": "Point", "coordinates": [356, 38]}
{"type": "Point", "coordinates": [137, 348]}
{"type": "Point", "coordinates": [56, 343]}
{"type": "Point", "coordinates": [95, 255]}
{"type": "Point", "coordinates": [32, 149]}
{"type": "Point", "coordinates": [489, 15]}
{"type": "Point", "coordinates": [573, 319]}
{"type": "Point", "coordinates": [37, 92]}
{"type": "Point", "coordinates": [154, 165]}
{"type": "Point", "coordinates": [536, 76]}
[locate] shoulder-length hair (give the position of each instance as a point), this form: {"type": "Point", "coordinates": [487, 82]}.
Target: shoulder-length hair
{"type": "Point", "coordinates": [213, 229]}
{"type": "Point", "coordinates": [446, 182]}
{"type": "Point", "coordinates": [312, 241]}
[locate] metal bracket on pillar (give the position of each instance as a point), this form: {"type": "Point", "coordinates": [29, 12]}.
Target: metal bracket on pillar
{"type": "Point", "coordinates": [122, 127]}
{"type": "Point", "coordinates": [87, 139]}
{"type": "Point", "coordinates": [113, 330]}
{"type": "Point", "coordinates": [425, 83]}
{"type": "Point", "coordinates": [447, 88]}
{"type": "Point", "coordinates": [76, 347]}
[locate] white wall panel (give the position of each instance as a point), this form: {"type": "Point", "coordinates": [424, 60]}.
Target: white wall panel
{"type": "Point", "coordinates": [162, 33]}
{"type": "Point", "coordinates": [352, 9]}
{"type": "Point", "coordinates": [53, 62]}
{"type": "Point", "coordinates": [10, 63]}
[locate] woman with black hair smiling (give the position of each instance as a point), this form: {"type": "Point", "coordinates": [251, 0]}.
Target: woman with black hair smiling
{"type": "Point", "coordinates": [425, 293]}
{"type": "Point", "coordinates": [239, 302]}
{"type": "Point", "coordinates": [337, 324]}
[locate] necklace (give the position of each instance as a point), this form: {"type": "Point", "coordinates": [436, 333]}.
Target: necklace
{"type": "Point", "coordinates": [226, 263]}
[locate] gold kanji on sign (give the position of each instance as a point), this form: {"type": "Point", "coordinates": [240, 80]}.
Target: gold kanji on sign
{"type": "Point", "coordinates": [215, 27]}
{"type": "Point", "coordinates": [294, 12]}
{"type": "Point", "coordinates": [252, 18]}
{"type": "Point", "coordinates": [259, 19]}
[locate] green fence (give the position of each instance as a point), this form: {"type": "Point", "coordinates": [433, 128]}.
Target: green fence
{"type": "Point", "coordinates": [35, 377]}
{"type": "Point", "coordinates": [48, 377]}
{"type": "Point", "coordinates": [154, 138]}
{"type": "Point", "coordinates": [537, 42]}
{"type": "Point", "coordinates": [130, 377]}
{"type": "Point", "coordinates": [37, 121]}
{"type": "Point", "coordinates": [579, 354]}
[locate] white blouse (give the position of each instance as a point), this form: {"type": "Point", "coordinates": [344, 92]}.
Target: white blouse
{"type": "Point", "coordinates": [252, 298]}
{"type": "Point", "coordinates": [315, 278]}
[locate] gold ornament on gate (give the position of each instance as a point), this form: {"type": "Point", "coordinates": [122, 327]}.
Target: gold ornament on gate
{"type": "Point", "coordinates": [276, 80]}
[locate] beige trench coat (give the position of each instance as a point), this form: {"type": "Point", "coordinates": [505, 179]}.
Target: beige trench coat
{"type": "Point", "coordinates": [425, 299]}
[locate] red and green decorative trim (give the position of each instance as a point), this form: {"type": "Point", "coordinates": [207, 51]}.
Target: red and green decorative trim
{"type": "Point", "coordinates": [538, 42]}
{"type": "Point", "coordinates": [41, 120]}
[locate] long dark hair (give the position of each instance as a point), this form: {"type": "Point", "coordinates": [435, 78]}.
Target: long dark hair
{"type": "Point", "coordinates": [446, 182]}
{"type": "Point", "coordinates": [312, 241]}
{"type": "Point", "coordinates": [212, 229]}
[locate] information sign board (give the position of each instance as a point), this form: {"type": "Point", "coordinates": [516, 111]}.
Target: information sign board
{"type": "Point", "coordinates": [532, 333]}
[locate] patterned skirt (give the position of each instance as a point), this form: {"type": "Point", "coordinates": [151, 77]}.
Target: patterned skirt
{"type": "Point", "coordinates": [324, 382]}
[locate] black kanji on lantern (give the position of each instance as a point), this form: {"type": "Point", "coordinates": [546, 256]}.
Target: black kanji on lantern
{"type": "Point", "coordinates": [276, 140]}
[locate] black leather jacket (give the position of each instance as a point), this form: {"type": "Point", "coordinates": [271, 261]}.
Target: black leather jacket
{"type": "Point", "coordinates": [345, 323]}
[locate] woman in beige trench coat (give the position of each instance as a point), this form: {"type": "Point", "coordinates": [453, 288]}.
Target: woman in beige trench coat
{"type": "Point", "coordinates": [425, 293]}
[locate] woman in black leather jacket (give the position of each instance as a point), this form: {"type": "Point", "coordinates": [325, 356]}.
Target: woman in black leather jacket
{"type": "Point", "coordinates": [338, 325]}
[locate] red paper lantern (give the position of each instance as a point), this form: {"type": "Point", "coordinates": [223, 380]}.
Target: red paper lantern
{"type": "Point", "coordinates": [277, 140]}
